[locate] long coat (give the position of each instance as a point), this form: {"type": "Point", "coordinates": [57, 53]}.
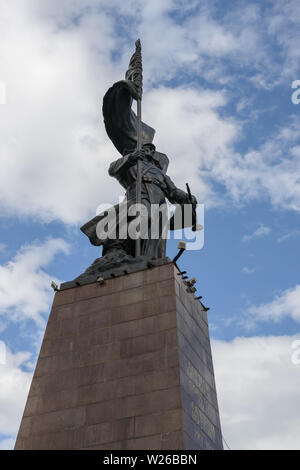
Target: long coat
{"type": "Point", "coordinates": [121, 126]}
{"type": "Point", "coordinates": [155, 188]}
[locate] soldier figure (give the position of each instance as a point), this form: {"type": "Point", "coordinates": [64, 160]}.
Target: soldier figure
{"type": "Point", "coordinates": [155, 188]}
{"type": "Point", "coordinates": [142, 173]}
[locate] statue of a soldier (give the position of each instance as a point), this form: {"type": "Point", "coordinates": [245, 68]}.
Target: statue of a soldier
{"type": "Point", "coordinates": [141, 171]}
{"type": "Point", "coordinates": [156, 186]}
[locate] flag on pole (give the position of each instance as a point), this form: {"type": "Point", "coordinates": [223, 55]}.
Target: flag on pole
{"type": "Point", "coordinates": [134, 72]}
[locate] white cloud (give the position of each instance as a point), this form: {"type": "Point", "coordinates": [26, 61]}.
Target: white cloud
{"type": "Point", "coordinates": [258, 392]}
{"type": "Point", "coordinates": [191, 131]}
{"type": "Point", "coordinates": [2, 92]}
{"type": "Point", "coordinates": [283, 25]}
{"type": "Point", "coordinates": [247, 270]}
{"type": "Point", "coordinates": [288, 235]}
{"type": "Point", "coordinates": [25, 294]}
{"type": "Point", "coordinates": [58, 164]}
{"type": "Point", "coordinates": [24, 284]}
{"type": "Point", "coordinates": [55, 152]}
{"type": "Point", "coordinates": [53, 146]}
{"type": "Point", "coordinates": [14, 386]}
{"type": "Point", "coordinates": [7, 444]}
{"type": "Point", "coordinates": [261, 231]}
{"type": "Point", "coordinates": [270, 172]}
{"type": "Point", "coordinates": [286, 304]}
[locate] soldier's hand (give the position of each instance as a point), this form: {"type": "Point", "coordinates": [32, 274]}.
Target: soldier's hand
{"type": "Point", "coordinates": [134, 156]}
{"type": "Point", "coordinates": [194, 200]}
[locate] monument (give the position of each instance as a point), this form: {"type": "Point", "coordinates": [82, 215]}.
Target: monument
{"type": "Point", "coordinates": [125, 362]}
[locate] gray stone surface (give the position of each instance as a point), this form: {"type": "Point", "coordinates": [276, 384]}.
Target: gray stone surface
{"type": "Point", "coordinates": [124, 365]}
{"type": "Point", "coordinates": [118, 268]}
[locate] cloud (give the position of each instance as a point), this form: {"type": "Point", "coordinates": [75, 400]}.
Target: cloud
{"type": "Point", "coordinates": [55, 152]}
{"type": "Point", "coordinates": [286, 304]}
{"type": "Point", "coordinates": [58, 164]}
{"type": "Point", "coordinates": [24, 284]}
{"type": "Point", "coordinates": [25, 295]}
{"type": "Point", "coordinates": [283, 26]}
{"type": "Point", "coordinates": [192, 115]}
{"type": "Point", "coordinates": [247, 270]}
{"type": "Point", "coordinates": [270, 172]}
{"type": "Point", "coordinates": [258, 392]}
{"type": "Point", "coordinates": [7, 444]}
{"type": "Point", "coordinates": [261, 231]}
{"type": "Point", "coordinates": [14, 386]}
{"type": "Point", "coordinates": [191, 35]}
{"type": "Point", "coordinates": [287, 236]}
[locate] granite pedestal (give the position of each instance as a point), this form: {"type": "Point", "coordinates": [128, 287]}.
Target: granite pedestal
{"type": "Point", "coordinates": [124, 365]}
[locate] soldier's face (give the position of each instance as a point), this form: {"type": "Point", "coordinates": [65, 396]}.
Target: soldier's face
{"type": "Point", "coordinates": [149, 151]}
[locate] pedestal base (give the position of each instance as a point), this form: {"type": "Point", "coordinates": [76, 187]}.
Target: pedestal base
{"type": "Point", "coordinates": [124, 365]}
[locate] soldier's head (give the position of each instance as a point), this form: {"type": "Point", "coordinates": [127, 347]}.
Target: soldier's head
{"type": "Point", "coordinates": [149, 149]}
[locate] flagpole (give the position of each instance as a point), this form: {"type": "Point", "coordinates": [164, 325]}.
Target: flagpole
{"type": "Point", "coordinates": [139, 80]}
{"type": "Point", "coordinates": [135, 75]}
{"type": "Point", "coordinates": [139, 170]}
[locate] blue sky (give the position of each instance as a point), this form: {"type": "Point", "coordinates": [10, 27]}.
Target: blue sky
{"type": "Point", "coordinates": [218, 86]}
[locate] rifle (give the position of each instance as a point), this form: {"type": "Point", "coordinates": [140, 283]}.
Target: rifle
{"type": "Point", "coordinates": [195, 226]}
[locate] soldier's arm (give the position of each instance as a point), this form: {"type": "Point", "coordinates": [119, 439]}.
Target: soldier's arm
{"type": "Point", "coordinates": [118, 165]}
{"type": "Point", "coordinates": [176, 195]}
{"type": "Point", "coordinates": [124, 163]}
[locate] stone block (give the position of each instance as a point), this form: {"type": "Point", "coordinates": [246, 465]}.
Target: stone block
{"type": "Point", "coordinates": [125, 365]}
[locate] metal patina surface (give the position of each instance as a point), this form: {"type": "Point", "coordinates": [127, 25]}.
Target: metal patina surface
{"type": "Point", "coordinates": [141, 171]}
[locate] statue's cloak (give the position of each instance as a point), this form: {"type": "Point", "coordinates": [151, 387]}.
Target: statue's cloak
{"type": "Point", "coordinates": [121, 127]}
{"type": "Point", "coordinates": [121, 122]}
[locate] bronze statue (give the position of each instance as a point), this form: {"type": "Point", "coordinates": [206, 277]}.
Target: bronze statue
{"type": "Point", "coordinates": [141, 171]}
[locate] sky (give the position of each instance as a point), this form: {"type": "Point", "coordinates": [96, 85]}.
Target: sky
{"type": "Point", "coordinates": [222, 90]}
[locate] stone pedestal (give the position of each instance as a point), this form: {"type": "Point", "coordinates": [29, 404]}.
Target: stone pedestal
{"type": "Point", "coordinates": [124, 365]}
